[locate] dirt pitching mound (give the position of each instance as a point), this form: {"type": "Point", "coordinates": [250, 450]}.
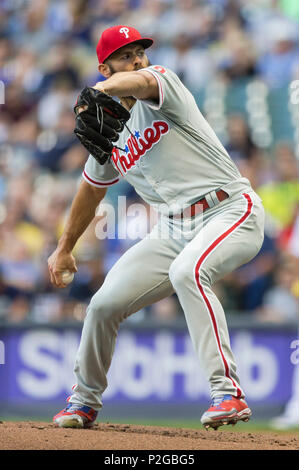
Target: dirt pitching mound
{"type": "Point", "coordinates": [105, 436]}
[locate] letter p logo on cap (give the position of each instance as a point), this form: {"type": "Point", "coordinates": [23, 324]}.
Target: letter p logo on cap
{"type": "Point", "coordinates": [125, 31]}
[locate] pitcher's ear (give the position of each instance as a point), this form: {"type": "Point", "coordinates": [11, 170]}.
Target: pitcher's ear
{"type": "Point", "coordinates": [104, 69]}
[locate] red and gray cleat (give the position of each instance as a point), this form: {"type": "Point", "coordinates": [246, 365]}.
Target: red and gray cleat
{"type": "Point", "coordinates": [225, 410]}
{"type": "Point", "coordinates": [75, 416]}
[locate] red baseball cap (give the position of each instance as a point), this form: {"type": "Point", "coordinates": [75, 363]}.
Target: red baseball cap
{"type": "Point", "coordinates": [116, 37]}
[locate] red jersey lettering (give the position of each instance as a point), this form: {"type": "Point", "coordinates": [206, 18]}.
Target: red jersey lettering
{"type": "Point", "coordinates": [137, 147]}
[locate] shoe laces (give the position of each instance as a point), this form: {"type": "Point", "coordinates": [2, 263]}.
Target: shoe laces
{"type": "Point", "coordinates": [218, 400]}
{"type": "Point", "coordinates": [73, 407]}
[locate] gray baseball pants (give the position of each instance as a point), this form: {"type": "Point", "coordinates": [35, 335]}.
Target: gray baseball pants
{"type": "Point", "coordinates": [188, 262]}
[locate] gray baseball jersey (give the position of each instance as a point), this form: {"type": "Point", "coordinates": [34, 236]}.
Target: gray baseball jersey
{"type": "Point", "coordinates": [172, 156]}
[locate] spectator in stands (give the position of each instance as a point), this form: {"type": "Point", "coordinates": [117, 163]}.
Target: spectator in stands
{"type": "Point", "coordinates": [193, 65]}
{"type": "Point", "coordinates": [240, 145]}
{"type": "Point", "coordinates": [112, 12]}
{"type": "Point", "coordinates": [281, 196]}
{"type": "Point", "coordinates": [56, 148]}
{"type": "Point", "coordinates": [6, 51]}
{"type": "Point", "coordinates": [17, 103]}
{"type": "Point", "coordinates": [182, 13]}
{"type": "Point", "coordinates": [152, 18]}
{"type": "Point", "coordinates": [280, 65]}
{"type": "Point", "coordinates": [244, 290]}
{"type": "Point", "coordinates": [31, 26]}
{"type": "Point", "coordinates": [238, 55]}
{"type": "Point", "coordinates": [281, 302]}
{"type": "Point", "coordinates": [59, 68]}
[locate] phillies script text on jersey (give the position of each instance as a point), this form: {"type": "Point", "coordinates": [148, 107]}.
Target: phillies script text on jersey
{"type": "Point", "coordinates": [137, 146]}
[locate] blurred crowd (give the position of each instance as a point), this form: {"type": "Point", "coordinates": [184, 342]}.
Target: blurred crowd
{"type": "Point", "coordinates": [47, 55]}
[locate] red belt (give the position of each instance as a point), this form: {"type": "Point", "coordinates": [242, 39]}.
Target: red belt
{"type": "Point", "coordinates": [199, 206]}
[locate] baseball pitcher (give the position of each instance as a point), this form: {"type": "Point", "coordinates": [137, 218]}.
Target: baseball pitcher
{"type": "Point", "coordinates": [157, 139]}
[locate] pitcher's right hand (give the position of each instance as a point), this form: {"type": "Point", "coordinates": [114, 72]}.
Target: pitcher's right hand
{"type": "Point", "coordinates": [58, 262]}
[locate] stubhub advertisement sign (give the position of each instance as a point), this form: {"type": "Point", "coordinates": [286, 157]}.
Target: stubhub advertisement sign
{"type": "Point", "coordinates": [155, 365]}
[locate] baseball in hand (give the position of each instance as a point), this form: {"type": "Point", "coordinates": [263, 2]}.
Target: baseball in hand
{"type": "Point", "coordinates": [67, 277]}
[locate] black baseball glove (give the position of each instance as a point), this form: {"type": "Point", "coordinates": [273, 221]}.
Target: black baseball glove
{"type": "Point", "coordinates": [100, 124]}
